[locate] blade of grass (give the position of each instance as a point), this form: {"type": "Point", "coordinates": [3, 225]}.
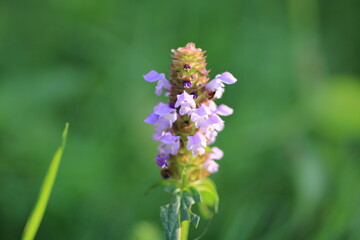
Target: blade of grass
{"type": "Point", "coordinates": [37, 214]}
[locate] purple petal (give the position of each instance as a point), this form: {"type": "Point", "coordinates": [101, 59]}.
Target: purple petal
{"type": "Point", "coordinates": [161, 160]}
{"type": "Point", "coordinates": [152, 118]}
{"type": "Point", "coordinates": [216, 154]}
{"type": "Point", "coordinates": [153, 76]}
{"type": "Point", "coordinates": [224, 110]}
{"type": "Point", "coordinates": [227, 78]}
{"type": "Point", "coordinates": [203, 110]}
{"type": "Point", "coordinates": [163, 109]}
{"type": "Point", "coordinates": [158, 134]}
{"type": "Point", "coordinates": [169, 138]}
{"type": "Point", "coordinates": [185, 98]}
{"type": "Point", "coordinates": [213, 119]}
{"type": "Point", "coordinates": [213, 85]}
{"type": "Point", "coordinates": [211, 166]}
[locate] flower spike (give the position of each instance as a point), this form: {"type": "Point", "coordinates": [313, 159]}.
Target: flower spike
{"type": "Point", "coordinates": [185, 126]}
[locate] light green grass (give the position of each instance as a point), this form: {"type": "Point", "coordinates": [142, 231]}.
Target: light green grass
{"type": "Point", "coordinates": [37, 214]}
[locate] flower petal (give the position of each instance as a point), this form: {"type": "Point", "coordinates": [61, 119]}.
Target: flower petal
{"type": "Point", "coordinates": [216, 154]}
{"type": "Point", "coordinates": [152, 118]}
{"type": "Point", "coordinates": [227, 78]}
{"type": "Point", "coordinates": [224, 110]}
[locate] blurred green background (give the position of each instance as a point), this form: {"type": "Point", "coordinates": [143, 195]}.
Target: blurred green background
{"type": "Point", "coordinates": [292, 148]}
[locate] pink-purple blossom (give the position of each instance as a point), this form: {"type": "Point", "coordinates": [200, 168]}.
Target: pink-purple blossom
{"type": "Point", "coordinates": [170, 144]}
{"type": "Point", "coordinates": [161, 160]}
{"type": "Point", "coordinates": [162, 117]}
{"type": "Point", "coordinates": [200, 116]}
{"type": "Point", "coordinates": [216, 153]}
{"type": "Point", "coordinates": [216, 122]}
{"type": "Point", "coordinates": [163, 83]}
{"type": "Point", "coordinates": [211, 166]}
{"type": "Point", "coordinates": [186, 103]}
{"type": "Point", "coordinates": [196, 143]}
{"type": "Point", "coordinates": [224, 110]}
{"type": "Point", "coordinates": [217, 85]}
{"type": "Point", "coordinates": [210, 133]}
{"type": "Point", "coordinates": [227, 78]}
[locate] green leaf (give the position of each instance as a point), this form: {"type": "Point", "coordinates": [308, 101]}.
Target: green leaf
{"type": "Point", "coordinates": [170, 218]}
{"type": "Point", "coordinates": [190, 196]}
{"type": "Point", "coordinates": [172, 189]}
{"type": "Point", "coordinates": [209, 198]}
{"type": "Point", "coordinates": [194, 194]}
{"type": "Point", "coordinates": [37, 214]}
{"type": "Point", "coordinates": [179, 210]}
{"type": "Point", "coordinates": [195, 219]}
{"type": "Point", "coordinates": [185, 214]}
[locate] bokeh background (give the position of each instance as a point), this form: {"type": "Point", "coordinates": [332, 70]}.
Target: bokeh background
{"type": "Point", "coordinates": [292, 148]}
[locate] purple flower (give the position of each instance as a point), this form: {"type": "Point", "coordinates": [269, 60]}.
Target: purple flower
{"type": "Point", "coordinates": [152, 118]}
{"type": "Point", "coordinates": [227, 78]}
{"type": "Point", "coordinates": [217, 153]}
{"type": "Point", "coordinates": [154, 76]}
{"type": "Point", "coordinates": [216, 122]}
{"type": "Point", "coordinates": [187, 103]}
{"type": "Point", "coordinates": [196, 143]}
{"type": "Point", "coordinates": [224, 110]}
{"type": "Point", "coordinates": [200, 116]}
{"type": "Point", "coordinates": [158, 134]}
{"type": "Point", "coordinates": [217, 85]}
{"type": "Point", "coordinates": [162, 117]}
{"type": "Point", "coordinates": [170, 144]}
{"type": "Point", "coordinates": [161, 160]}
{"type": "Point", "coordinates": [210, 133]}
{"type": "Point", "coordinates": [211, 166]}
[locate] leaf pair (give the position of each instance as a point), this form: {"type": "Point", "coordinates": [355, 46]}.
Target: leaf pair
{"type": "Point", "coordinates": [179, 209]}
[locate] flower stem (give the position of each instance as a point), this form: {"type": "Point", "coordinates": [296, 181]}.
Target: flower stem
{"type": "Point", "coordinates": [184, 230]}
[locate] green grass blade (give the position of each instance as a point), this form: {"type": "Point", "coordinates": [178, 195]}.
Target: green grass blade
{"type": "Point", "coordinates": [37, 214]}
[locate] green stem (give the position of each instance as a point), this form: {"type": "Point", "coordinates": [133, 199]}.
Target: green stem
{"type": "Point", "coordinates": [184, 230]}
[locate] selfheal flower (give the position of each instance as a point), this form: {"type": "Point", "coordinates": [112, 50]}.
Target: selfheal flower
{"type": "Point", "coordinates": [216, 122]}
{"type": "Point", "coordinates": [183, 152]}
{"type": "Point", "coordinates": [216, 153]}
{"type": "Point", "coordinates": [161, 160]}
{"type": "Point", "coordinates": [186, 103]}
{"type": "Point", "coordinates": [162, 117]}
{"type": "Point", "coordinates": [170, 144]}
{"type": "Point", "coordinates": [210, 133]}
{"type": "Point", "coordinates": [217, 85]}
{"type": "Point", "coordinates": [183, 139]}
{"type": "Point", "coordinates": [196, 143]}
{"type": "Point", "coordinates": [211, 166]}
{"type": "Point", "coordinates": [154, 76]}
{"type": "Point", "coordinates": [158, 134]}
{"type": "Point", "coordinates": [224, 110]}
{"type": "Point", "coordinates": [200, 116]}
{"type": "Point", "coordinates": [227, 78]}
